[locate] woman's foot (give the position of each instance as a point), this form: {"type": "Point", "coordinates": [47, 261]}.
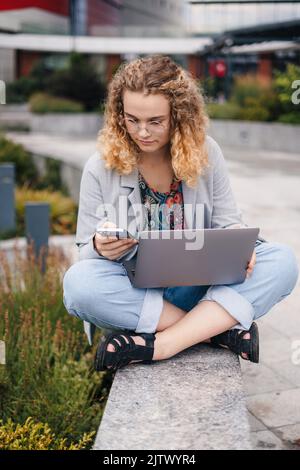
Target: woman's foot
{"type": "Point", "coordinates": [244, 355]}
{"type": "Point", "coordinates": [243, 342]}
{"type": "Point", "coordinates": [137, 339]}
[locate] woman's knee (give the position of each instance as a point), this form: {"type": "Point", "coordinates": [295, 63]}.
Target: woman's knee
{"type": "Point", "coordinates": [100, 292]}
{"type": "Point", "coordinates": [82, 285]}
{"type": "Point", "coordinates": [287, 267]}
{"type": "Point", "coordinates": [72, 286]}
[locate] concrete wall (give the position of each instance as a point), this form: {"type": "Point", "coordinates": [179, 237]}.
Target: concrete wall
{"type": "Point", "coordinates": [7, 65]}
{"type": "Point", "coordinates": [79, 124]}
{"type": "Point", "coordinates": [256, 135]}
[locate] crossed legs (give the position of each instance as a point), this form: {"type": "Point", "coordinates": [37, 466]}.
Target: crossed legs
{"type": "Point", "coordinates": [178, 330]}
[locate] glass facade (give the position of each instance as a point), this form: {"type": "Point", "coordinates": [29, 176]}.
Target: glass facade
{"type": "Point", "coordinates": [209, 19]}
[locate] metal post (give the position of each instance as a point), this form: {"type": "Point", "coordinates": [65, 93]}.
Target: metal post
{"type": "Point", "coordinates": [7, 197]}
{"type": "Point", "coordinates": [37, 225]}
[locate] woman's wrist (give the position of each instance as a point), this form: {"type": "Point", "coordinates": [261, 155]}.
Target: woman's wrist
{"type": "Point", "coordinates": [94, 245]}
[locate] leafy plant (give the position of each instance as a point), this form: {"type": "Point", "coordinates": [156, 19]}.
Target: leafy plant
{"type": "Point", "coordinates": [283, 85]}
{"type": "Point", "coordinates": [79, 82]}
{"type": "Point", "coordinates": [223, 111]}
{"type": "Point", "coordinates": [51, 180]}
{"type": "Point", "coordinates": [36, 436]}
{"type": "Point", "coordinates": [20, 90]}
{"type": "Point", "coordinates": [25, 169]}
{"type": "Point", "coordinates": [63, 210]}
{"type": "Point", "coordinates": [256, 100]}
{"type": "Point", "coordinates": [290, 118]}
{"type": "Point", "coordinates": [48, 375]}
{"type": "Point", "coordinates": [42, 103]}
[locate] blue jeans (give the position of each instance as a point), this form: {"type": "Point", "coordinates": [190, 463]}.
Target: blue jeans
{"type": "Point", "coordinates": [99, 291]}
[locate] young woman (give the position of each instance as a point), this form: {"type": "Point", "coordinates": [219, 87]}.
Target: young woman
{"type": "Point", "coordinates": [155, 154]}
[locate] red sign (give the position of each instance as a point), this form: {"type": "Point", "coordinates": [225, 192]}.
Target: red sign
{"type": "Point", "coordinates": [217, 68]}
{"type": "Point", "coordinates": [61, 7]}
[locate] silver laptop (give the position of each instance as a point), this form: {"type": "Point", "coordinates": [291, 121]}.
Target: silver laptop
{"type": "Point", "coordinates": [190, 257]}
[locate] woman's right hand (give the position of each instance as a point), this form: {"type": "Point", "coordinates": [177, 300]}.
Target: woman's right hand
{"type": "Point", "coordinates": [112, 247]}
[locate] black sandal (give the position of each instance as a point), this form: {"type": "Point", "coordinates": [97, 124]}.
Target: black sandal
{"type": "Point", "coordinates": [235, 341]}
{"type": "Point", "coordinates": [125, 352]}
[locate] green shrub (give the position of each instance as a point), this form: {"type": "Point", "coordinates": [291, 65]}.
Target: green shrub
{"type": "Point", "coordinates": [43, 103]}
{"type": "Point", "coordinates": [254, 110]}
{"type": "Point", "coordinates": [26, 172]}
{"type": "Point", "coordinates": [223, 111]}
{"type": "Point", "coordinates": [63, 210]}
{"type": "Point", "coordinates": [51, 179]}
{"type": "Point", "coordinates": [245, 87]}
{"type": "Point", "coordinates": [48, 374]}
{"type": "Point", "coordinates": [211, 87]}
{"type": "Point", "coordinates": [20, 90]}
{"type": "Point", "coordinates": [290, 118]}
{"type": "Point", "coordinates": [32, 187]}
{"type": "Point", "coordinates": [79, 82]}
{"type": "Point", "coordinates": [283, 85]}
{"type": "Point", "coordinates": [35, 436]}
{"type": "Point", "coordinates": [257, 99]}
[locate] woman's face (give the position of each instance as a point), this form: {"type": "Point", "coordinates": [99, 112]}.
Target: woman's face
{"type": "Point", "coordinates": [147, 119]}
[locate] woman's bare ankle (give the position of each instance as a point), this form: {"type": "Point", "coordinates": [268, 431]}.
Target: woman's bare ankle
{"type": "Point", "coordinates": [161, 351]}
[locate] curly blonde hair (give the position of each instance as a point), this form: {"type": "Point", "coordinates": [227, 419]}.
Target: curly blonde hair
{"type": "Point", "coordinates": [157, 74]}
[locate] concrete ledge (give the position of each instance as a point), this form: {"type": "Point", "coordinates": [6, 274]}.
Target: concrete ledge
{"type": "Point", "coordinates": [194, 400]}
{"type": "Point", "coordinates": [67, 124]}
{"type": "Point", "coordinates": [270, 136]}
{"type": "Point", "coordinates": [65, 242]}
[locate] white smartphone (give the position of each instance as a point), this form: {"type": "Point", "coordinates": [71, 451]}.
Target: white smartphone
{"type": "Point", "coordinates": [120, 233]}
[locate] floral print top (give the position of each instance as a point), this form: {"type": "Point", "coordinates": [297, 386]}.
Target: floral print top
{"type": "Point", "coordinates": [165, 210]}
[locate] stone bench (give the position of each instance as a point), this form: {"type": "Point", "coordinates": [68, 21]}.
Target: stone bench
{"type": "Point", "coordinates": [194, 400]}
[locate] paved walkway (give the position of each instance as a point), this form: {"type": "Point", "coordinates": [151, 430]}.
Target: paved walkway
{"type": "Point", "coordinates": [74, 151]}
{"type": "Point", "coordinates": [267, 190]}
{"type": "Point", "coordinates": [266, 187]}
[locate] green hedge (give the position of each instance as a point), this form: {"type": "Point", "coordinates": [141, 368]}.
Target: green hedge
{"type": "Point", "coordinates": [32, 435]}
{"type": "Point", "coordinates": [43, 103]}
{"type": "Point", "coordinates": [252, 99]}
{"type": "Point", "coordinates": [223, 111]}
{"type": "Point", "coordinates": [63, 210]}
{"type": "Point", "coordinates": [26, 172]}
{"type": "Point", "coordinates": [78, 81]}
{"type": "Point", "coordinates": [48, 374]}
{"type": "Point", "coordinates": [32, 187]}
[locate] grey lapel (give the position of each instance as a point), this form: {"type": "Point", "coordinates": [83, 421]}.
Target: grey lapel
{"type": "Point", "coordinates": [131, 181]}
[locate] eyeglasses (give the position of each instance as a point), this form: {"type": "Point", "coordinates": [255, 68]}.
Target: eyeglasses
{"type": "Point", "coordinates": [153, 127]}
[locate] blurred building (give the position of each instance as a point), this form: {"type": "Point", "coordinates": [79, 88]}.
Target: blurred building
{"type": "Point", "coordinates": [208, 38]}
{"type": "Point", "coordinates": [248, 37]}
{"type": "Point", "coordinates": [103, 19]}
{"type": "Point", "coordinates": [210, 17]}
{"type": "Point", "coordinates": [34, 16]}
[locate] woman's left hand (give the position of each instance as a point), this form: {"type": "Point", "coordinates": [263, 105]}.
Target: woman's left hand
{"type": "Point", "coordinates": [252, 260]}
{"type": "Point", "coordinates": [251, 264]}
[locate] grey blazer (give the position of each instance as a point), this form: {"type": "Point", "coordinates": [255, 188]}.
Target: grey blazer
{"type": "Point", "coordinates": [210, 205]}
